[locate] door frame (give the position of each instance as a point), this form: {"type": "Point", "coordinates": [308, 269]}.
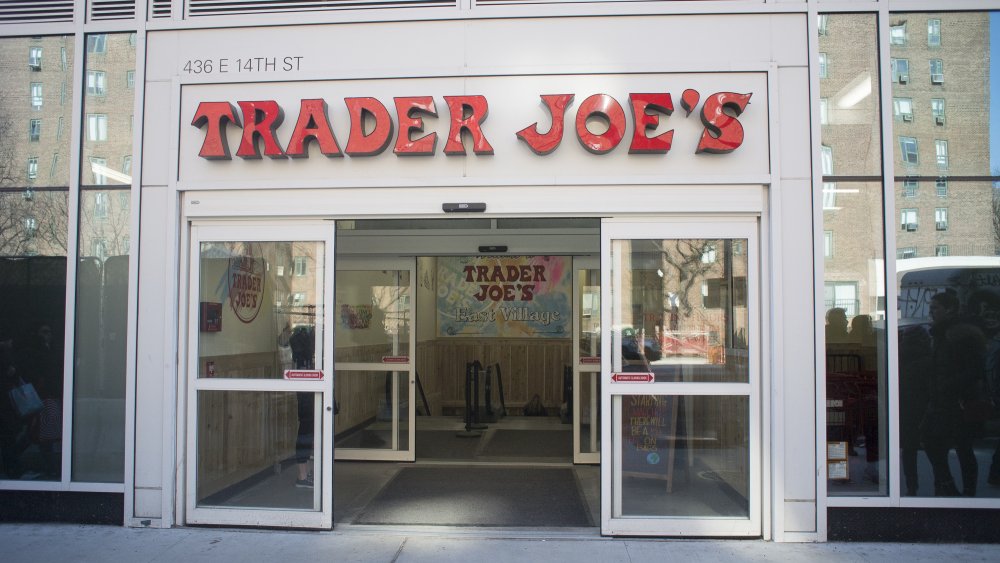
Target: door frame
{"type": "Point", "coordinates": [255, 231]}
{"type": "Point", "coordinates": [397, 263]}
{"type": "Point", "coordinates": [688, 226]}
{"type": "Point", "coordinates": [593, 371]}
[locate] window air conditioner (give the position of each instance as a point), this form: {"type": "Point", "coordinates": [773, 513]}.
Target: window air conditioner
{"type": "Point", "coordinates": [904, 78]}
{"type": "Point", "coordinates": [941, 226]}
{"type": "Point", "coordinates": [907, 117]}
{"type": "Point", "coordinates": [911, 227]}
{"type": "Point", "coordinates": [937, 78]}
{"type": "Point", "coordinates": [34, 67]}
{"type": "Point", "coordinates": [939, 120]}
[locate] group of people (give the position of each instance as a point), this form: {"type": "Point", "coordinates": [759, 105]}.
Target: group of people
{"type": "Point", "coordinates": [31, 421]}
{"type": "Point", "coordinates": [949, 386]}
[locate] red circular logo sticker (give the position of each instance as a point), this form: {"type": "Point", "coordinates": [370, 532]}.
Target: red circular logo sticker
{"type": "Point", "coordinates": [246, 281]}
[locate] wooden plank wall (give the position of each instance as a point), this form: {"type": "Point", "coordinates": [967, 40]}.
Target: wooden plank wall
{"type": "Point", "coordinates": [529, 366]}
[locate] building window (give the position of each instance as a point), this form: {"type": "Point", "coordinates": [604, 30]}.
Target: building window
{"type": "Point", "coordinates": [54, 168]}
{"type": "Point", "coordinates": [823, 62]}
{"type": "Point", "coordinates": [298, 298]}
{"type": "Point", "coordinates": [910, 188]}
{"type": "Point", "coordinates": [897, 34]}
{"type": "Point", "coordinates": [827, 244]}
{"type": "Point", "coordinates": [841, 295]}
{"type": "Point", "coordinates": [941, 218]}
{"type": "Point", "coordinates": [97, 127]}
{"type": "Point", "coordinates": [35, 58]}
{"type": "Point", "coordinates": [30, 226]}
{"type": "Point", "coordinates": [906, 252]}
{"type": "Point", "coordinates": [123, 197]}
{"type": "Point", "coordinates": [97, 43]}
{"type": "Point", "coordinates": [823, 24]}
{"type": "Point", "coordinates": [900, 70]}
{"type": "Point", "coordinates": [941, 149]}
{"type": "Point", "coordinates": [941, 250]}
{"type": "Point", "coordinates": [96, 83]}
{"type": "Point", "coordinates": [941, 187]}
{"type": "Point", "coordinates": [908, 219]}
{"type": "Point", "coordinates": [36, 95]}
{"type": "Point", "coordinates": [131, 39]}
{"type": "Point", "coordinates": [59, 128]}
{"type": "Point", "coordinates": [908, 149]}
{"type": "Point", "coordinates": [902, 108]}
{"type": "Point", "coordinates": [127, 165]}
{"type": "Point", "coordinates": [32, 167]}
{"type": "Point", "coordinates": [130, 79]}
{"type": "Point", "coordinates": [97, 167]}
{"type": "Point", "coordinates": [100, 205]}
{"type": "Point", "coordinates": [279, 271]}
{"type": "Point", "coordinates": [99, 248]}
{"type": "Point", "coordinates": [34, 130]}
{"type": "Point", "coordinates": [708, 254]}
{"type": "Point", "coordinates": [934, 32]}
{"type": "Point", "coordinates": [63, 62]}
{"type": "Point", "coordinates": [937, 110]}
{"type": "Point", "coordinates": [829, 188]}
{"type": "Point", "coordinates": [299, 265]}
{"type": "Point", "coordinates": [824, 111]}
{"type": "Point", "coordinates": [937, 71]}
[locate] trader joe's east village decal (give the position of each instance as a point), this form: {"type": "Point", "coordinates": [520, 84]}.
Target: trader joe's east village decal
{"type": "Point", "coordinates": [504, 296]}
{"type": "Point", "coordinates": [372, 127]}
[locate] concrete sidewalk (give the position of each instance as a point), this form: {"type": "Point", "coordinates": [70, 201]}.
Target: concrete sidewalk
{"type": "Point", "coordinates": [36, 543]}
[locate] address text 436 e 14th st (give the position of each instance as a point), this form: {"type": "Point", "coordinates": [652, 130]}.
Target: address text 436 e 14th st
{"type": "Point", "coordinates": [232, 65]}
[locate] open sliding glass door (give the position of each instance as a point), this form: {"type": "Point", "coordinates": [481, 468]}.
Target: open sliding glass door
{"type": "Point", "coordinates": [259, 400]}
{"type": "Point", "coordinates": [586, 359]}
{"type": "Point", "coordinates": [374, 343]}
{"type": "Point", "coordinates": [680, 377]}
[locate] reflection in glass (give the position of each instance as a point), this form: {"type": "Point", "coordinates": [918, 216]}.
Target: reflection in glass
{"type": "Point", "coordinates": [590, 412]}
{"type": "Point", "coordinates": [108, 104]}
{"type": "Point", "coordinates": [590, 315]}
{"type": "Point", "coordinates": [260, 309]}
{"type": "Point", "coordinates": [373, 315]}
{"type": "Point", "coordinates": [684, 314]}
{"type": "Point", "coordinates": [684, 456]}
{"type": "Point", "coordinates": [259, 450]}
{"type": "Point", "coordinates": [365, 416]}
{"type": "Point", "coordinates": [34, 219]}
{"type": "Point", "coordinates": [851, 134]}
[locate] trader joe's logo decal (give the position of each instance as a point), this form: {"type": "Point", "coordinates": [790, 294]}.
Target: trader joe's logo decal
{"type": "Point", "coordinates": [246, 281]}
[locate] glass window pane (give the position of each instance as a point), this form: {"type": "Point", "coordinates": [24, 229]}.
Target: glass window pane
{"type": "Point", "coordinates": [243, 331]}
{"type": "Point", "coordinates": [684, 456]}
{"type": "Point", "coordinates": [853, 134]}
{"type": "Point", "coordinates": [365, 413]}
{"type": "Point", "coordinates": [259, 450]}
{"type": "Point", "coordinates": [34, 219]}
{"type": "Point", "coordinates": [854, 300]}
{"type": "Point", "coordinates": [108, 109]}
{"type": "Point", "coordinates": [590, 315]}
{"type": "Point", "coordinates": [373, 310]}
{"type": "Point", "coordinates": [684, 313]}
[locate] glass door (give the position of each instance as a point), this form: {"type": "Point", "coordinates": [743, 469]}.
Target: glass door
{"type": "Point", "coordinates": [373, 342]}
{"type": "Point", "coordinates": [680, 378]}
{"type": "Point", "coordinates": [586, 360]}
{"type": "Point", "coordinates": [259, 400]}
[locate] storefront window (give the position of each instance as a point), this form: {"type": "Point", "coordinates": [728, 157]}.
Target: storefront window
{"type": "Point", "coordinates": [854, 287]}
{"type": "Point", "coordinates": [948, 272]}
{"type": "Point", "coordinates": [34, 219]}
{"type": "Point", "coordinates": [102, 270]}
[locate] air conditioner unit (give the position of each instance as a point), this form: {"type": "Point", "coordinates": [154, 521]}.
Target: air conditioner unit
{"type": "Point", "coordinates": [904, 78]}
{"type": "Point", "coordinates": [34, 67]}
{"type": "Point", "coordinates": [911, 227]}
{"type": "Point", "coordinates": [939, 120]}
{"type": "Point", "coordinates": [907, 117]}
{"type": "Point", "coordinates": [941, 225]}
{"type": "Point", "coordinates": [937, 79]}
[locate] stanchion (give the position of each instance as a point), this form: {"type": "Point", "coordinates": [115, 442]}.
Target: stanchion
{"type": "Point", "coordinates": [470, 431]}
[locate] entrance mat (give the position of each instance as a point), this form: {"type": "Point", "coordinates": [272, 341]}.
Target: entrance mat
{"type": "Point", "coordinates": [530, 444]}
{"type": "Point", "coordinates": [444, 444]}
{"type": "Point", "coordinates": [479, 496]}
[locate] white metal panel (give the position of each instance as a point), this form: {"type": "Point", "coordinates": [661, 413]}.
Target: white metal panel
{"type": "Point", "coordinates": [796, 151]}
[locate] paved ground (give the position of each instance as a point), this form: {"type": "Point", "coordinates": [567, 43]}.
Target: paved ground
{"type": "Point", "coordinates": [37, 543]}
